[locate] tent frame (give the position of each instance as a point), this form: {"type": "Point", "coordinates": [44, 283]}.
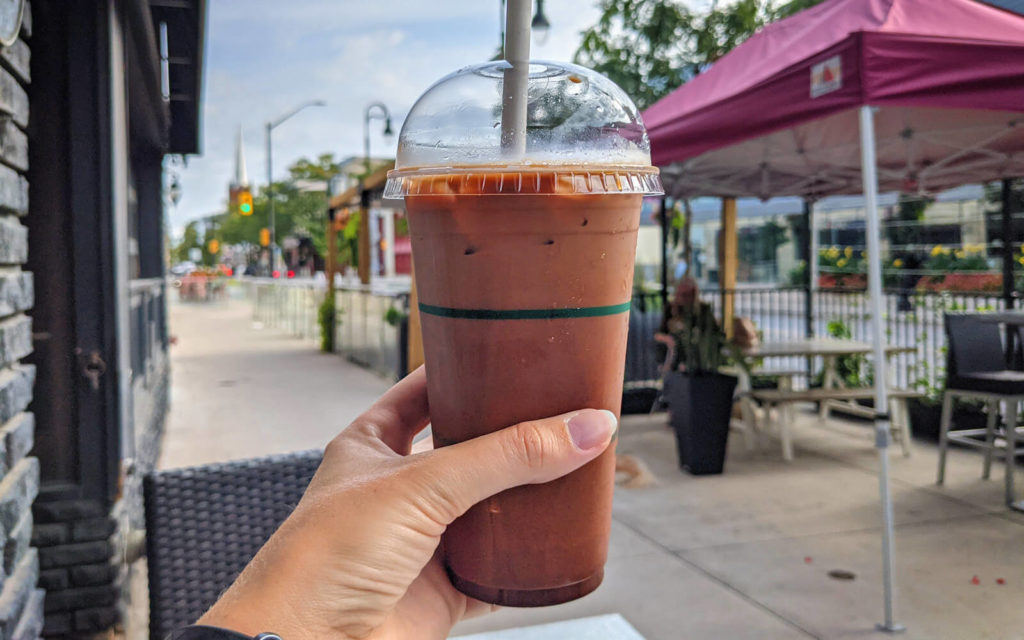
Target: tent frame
{"type": "Point", "coordinates": [870, 180]}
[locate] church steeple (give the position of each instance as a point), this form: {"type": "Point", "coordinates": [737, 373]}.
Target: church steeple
{"type": "Point", "coordinates": [241, 178]}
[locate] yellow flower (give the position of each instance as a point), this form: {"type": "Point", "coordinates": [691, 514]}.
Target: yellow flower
{"type": "Point", "coordinates": [960, 253]}
{"type": "Point", "coordinates": [937, 250]}
{"type": "Point", "coordinates": [841, 262]}
{"type": "Point", "coordinates": [848, 252]}
{"type": "Point", "coordinates": [863, 254]}
{"type": "Point", "coordinates": [1021, 260]}
{"type": "Point", "coordinates": [897, 263]}
{"type": "Point", "coordinates": [833, 253]}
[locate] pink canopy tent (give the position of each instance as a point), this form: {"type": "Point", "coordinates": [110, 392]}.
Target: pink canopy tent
{"type": "Point", "coordinates": [776, 116]}
{"type": "Point", "coordinates": [847, 97]}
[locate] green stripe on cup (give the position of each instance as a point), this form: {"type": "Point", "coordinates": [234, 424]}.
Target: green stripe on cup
{"type": "Point", "coordinates": [524, 314]}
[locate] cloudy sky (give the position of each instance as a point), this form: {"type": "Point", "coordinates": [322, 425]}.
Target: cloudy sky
{"type": "Point", "coordinates": [265, 56]}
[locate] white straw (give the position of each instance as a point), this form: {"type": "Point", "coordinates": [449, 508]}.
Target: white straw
{"type": "Point", "coordinates": [513, 96]}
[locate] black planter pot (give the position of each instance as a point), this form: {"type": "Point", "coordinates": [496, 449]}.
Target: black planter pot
{"type": "Point", "coordinates": [925, 418]}
{"type": "Point", "coordinates": [639, 400]}
{"type": "Point", "coordinates": [700, 407]}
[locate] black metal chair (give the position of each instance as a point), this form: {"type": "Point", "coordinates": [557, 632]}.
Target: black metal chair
{"type": "Point", "coordinates": [975, 368]}
{"type": "Point", "coordinates": [204, 524]}
{"type": "Point", "coordinates": [1018, 355]}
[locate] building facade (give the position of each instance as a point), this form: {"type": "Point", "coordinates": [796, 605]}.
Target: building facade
{"type": "Point", "coordinates": [93, 96]}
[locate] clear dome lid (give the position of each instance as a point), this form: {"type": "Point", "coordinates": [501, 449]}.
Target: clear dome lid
{"type": "Point", "coordinates": [583, 135]}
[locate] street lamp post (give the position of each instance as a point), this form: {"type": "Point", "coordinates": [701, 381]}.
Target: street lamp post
{"type": "Point", "coordinates": [539, 25]}
{"type": "Point", "coordinates": [271, 223]}
{"type": "Point", "coordinates": [383, 114]}
{"type": "Point", "coordinates": [374, 111]}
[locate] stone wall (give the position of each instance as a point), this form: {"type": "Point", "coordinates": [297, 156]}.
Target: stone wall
{"type": "Point", "coordinates": [21, 602]}
{"type": "Point", "coordinates": [76, 568]}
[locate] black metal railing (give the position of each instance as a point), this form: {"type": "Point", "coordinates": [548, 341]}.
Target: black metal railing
{"type": "Point", "coordinates": [643, 358]}
{"type": "Point", "coordinates": [148, 318]}
{"type": "Point", "coordinates": [368, 318]}
{"type": "Point", "coordinates": [913, 319]}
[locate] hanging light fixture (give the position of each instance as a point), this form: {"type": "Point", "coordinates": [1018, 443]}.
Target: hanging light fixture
{"type": "Point", "coordinates": [540, 24]}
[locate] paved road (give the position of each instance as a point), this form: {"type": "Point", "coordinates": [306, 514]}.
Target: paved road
{"type": "Point", "coordinates": [239, 391]}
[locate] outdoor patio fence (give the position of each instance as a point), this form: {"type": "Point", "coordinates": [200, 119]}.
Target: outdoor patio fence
{"type": "Point", "coordinates": [372, 324]}
{"type": "Point", "coordinates": [913, 318]}
{"type": "Point", "coordinates": [148, 325]}
{"type": "Point", "coordinates": [369, 320]}
{"type": "Point", "coordinates": [643, 358]}
{"type": "Point", "coordinates": [287, 305]}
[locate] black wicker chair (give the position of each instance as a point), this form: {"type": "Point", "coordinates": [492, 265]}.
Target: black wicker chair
{"type": "Point", "coordinates": [203, 524]}
{"type": "Point", "coordinates": [976, 368]}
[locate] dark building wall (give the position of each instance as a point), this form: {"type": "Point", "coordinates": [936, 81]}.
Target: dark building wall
{"type": "Point", "coordinates": [75, 354]}
{"type": "Point", "coordinates": [100, 336]}
{"type": "Point", "coordinates": [21, 603]}
{"type": "Point", "coordinates": [81, 226]}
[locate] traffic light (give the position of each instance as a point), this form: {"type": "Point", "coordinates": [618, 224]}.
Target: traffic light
{"type": "Point", "coordinates": [245, 202]}
{"type": "Point", "coordinates": [264, 237]}
{"type": "Point", "coordinates": [213, 245]}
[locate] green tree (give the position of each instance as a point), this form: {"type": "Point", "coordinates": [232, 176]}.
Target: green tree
{"type": "Point", "coordinates": [650, 47]}
{"type": "Point", "coordinates": [189, 240]}
{"type": "Point", "coordinates": [787, 9]}
{"type": "Point", "coordinates": [210, 258]}
{"type": "Point", "coordinates": [323, 168]}
{"type": "Point", "coordinates": [642, 45]}
{"type": "Point", "coordinates": [300, 206]}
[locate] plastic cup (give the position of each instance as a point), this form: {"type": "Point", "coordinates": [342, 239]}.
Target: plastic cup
{"type": "Point", "coordinates": [524, 271]}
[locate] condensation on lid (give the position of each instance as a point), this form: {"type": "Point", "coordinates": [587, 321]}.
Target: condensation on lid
{"type": "Point", "coordinates": [548, 180]}
{"type": "Point", "coordinates": [574, 116]}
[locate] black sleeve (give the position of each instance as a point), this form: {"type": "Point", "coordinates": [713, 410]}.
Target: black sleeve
{"type": "Point", "coordinates": [200, 632]}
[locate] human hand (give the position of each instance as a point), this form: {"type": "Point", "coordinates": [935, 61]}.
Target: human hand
{"type": "Point", "coordinates": [358, 556]}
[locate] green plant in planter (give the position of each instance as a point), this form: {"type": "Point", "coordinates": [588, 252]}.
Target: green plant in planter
{"type": "Point", "coordinates": [700, 342]}
{"type": "Point", "coordinates": [327, 317]}
{"type": "Point", "coordinates": [394, 316]}
{"type": "Point", "coordinates": [853, 370]}
{"type": "Point", "coordinates": [699, 397]}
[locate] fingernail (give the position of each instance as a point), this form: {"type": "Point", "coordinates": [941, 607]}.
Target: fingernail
{"type": "Point", "coordinates": [591, 428]}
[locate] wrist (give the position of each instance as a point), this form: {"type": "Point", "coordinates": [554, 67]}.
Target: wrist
{"type": "Point", "coordinates": [249, 622]}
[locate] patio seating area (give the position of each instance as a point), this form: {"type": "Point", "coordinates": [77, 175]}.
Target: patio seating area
{"type": "Point", "coordinates": [748, 554]}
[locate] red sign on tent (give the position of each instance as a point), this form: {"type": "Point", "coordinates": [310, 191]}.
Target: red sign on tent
{"type": "Point", "coordinates": [826, 77]}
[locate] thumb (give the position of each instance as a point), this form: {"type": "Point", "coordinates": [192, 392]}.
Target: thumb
{"type": "Point", "coordinates": [528, 453]}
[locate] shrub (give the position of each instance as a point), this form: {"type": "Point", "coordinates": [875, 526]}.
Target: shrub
{"type": "Point", "coordinates": [327, 316]}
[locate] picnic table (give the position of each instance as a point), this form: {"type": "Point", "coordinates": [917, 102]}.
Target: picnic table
{"type": "Point", "coordinates": [832, 393]}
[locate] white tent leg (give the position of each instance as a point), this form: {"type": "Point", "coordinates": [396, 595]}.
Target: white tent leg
{"type": "Point", "coordinates": [870, 177]}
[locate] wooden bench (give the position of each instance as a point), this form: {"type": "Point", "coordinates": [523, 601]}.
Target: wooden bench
{"type": "Point", "coordinates": [772, 398]}
{"type": "Point", "coordinates": [778, 396]}
{"type": "Point", "coordinates": [746, 423]}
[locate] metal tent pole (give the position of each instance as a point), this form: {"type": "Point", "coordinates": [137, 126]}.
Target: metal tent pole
{"type": "Point", "coordinates": [664, 260]}
{"type": "Point", "coordinates": [870, 182]}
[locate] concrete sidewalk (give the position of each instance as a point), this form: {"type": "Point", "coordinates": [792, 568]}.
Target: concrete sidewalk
{"type": "Point", "coordinates": [239, 391]}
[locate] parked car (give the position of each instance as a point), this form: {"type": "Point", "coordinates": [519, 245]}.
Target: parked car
{"type": "Point", "coordinates": [183, 268]}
